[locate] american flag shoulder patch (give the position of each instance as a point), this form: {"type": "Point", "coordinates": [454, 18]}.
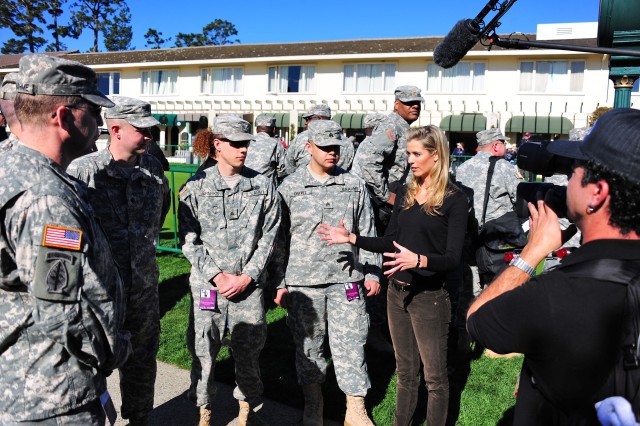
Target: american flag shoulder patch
{"type": "Point", "coordinates": [61, 237]}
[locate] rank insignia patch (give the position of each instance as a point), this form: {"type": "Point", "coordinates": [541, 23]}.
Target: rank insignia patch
{"type": "Point", "coordinates": [61, 237]}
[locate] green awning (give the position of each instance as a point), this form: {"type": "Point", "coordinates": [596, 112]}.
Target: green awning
{"type": "Point", "coordinates": [539, 124]}
{"type": "Point", "coordinates": [166, 119]}
{"type": "Point", "coordinates": [464, 123]}
{"type": "Point", "coordinates": [282, 118]}
{"type": "Point", "coordinates": [349, 121]}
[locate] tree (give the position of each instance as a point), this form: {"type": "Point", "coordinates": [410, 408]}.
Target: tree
{"type": "Point", "coordinates": [154, 39]}
{"type": "Point", "coordinates": [219, 32]}
{"type": "Point", "coordinates": [118, 33]}
{"type": "Point", "coordinates": [59, 31]}
{"type": "Point", "coordinates": [22, 18]}
{"type": "Point", "coordinates": [94, 14]}
{"type": "Point", "coordinates": [216, 33]}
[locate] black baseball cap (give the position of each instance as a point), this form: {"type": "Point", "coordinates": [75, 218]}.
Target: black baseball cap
{"type": "Point", "coordinates": [613, 141]}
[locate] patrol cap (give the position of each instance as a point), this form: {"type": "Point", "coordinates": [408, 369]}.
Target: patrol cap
{"type": "Point", "coordinates": [40, 74]}
{"type": "Point", "coordinates": [578, 133]}
{"type": "Point", "coordinates": [232, 128]}
{"type": "Point", "coordinates": [8, 90]}
{"type": "Point", "coordinates": [133, 111]}
{"type": "Point", "coordinates": [321, 110]}
{"type": "Point", "coordinates": [372, 120]}
{"type": "Point", "coordinates": [325, 133]}
{"type": "Point", "coordinates": [408, 94]}
{"type": "Point", "coordinates": [485, 137]}
{"type": "Point", "coordinates": [614, 142]}
{"type": "Point", "coordinates": [264, 120]}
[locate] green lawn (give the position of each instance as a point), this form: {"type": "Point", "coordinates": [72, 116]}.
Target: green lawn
{"type": "Point", "coordinates": [482, 390]}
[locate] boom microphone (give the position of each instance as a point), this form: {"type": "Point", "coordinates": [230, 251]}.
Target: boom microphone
{"type": "Point", "coordinates": [462, 37]}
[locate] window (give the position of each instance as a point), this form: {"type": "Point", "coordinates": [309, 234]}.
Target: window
{"type": "Point", "coordinates": [369, 78]}
{"type": "Point", "coordinates": [292, 79]}
{"type": "Point", "coordinates": [221, 81]}
{"type": "Point", "coordinates": [461, 78]}
{"type": "Point", "coordinates": [636, 84]}
{"type": "Point", "coordinates": [109, 83]}
{"type": "Point", "coordinates": [552, 76]}
{"type": "Point", "coordinates": [159, 82]}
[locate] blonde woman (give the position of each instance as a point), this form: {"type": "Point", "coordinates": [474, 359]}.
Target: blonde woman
{"type": "Point", "coordinates": [423, 242]}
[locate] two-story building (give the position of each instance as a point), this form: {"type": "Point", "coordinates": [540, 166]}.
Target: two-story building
{"type": "Point", "coordinates": [544, 91]}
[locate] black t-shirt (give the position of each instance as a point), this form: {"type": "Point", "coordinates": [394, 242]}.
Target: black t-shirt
{"type": "Point", "coordinates": [569, 329]}
{"type": "Point", "coordinates": [439, 237]}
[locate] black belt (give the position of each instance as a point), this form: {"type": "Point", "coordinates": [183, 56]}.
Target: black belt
{"type": "Point", "coordinates": [399, 285]}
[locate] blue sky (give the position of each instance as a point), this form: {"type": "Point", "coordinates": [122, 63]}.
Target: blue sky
{"type": "Point", "coordinates": [292, 21]}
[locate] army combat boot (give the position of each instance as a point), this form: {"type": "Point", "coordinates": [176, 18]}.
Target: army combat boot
{"type": "Point", "coordinates": [205, 416]}
{"type": "Point", "coordinates": [356, 412]}
{"type": "Point", "coordinates": [313, 405]}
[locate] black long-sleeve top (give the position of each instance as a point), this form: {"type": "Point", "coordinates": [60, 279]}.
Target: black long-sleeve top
{"type": "Point", "coordinates": [438, 237]}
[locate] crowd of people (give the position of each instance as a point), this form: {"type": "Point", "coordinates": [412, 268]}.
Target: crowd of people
{"type": "Point", "coordinates": [352, 240]}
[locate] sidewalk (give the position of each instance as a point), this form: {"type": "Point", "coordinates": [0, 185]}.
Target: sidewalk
{"type": "Point", "coordinates": [172, 408]}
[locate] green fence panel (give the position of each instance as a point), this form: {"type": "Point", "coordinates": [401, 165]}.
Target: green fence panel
{"type": "Point", "coordinates": [177, 175]}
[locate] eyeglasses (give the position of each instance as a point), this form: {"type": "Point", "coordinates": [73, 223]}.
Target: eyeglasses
{"type": "Point", "coordinates": [94, 110]}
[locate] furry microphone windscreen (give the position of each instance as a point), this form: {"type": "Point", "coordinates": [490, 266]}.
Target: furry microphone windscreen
{"type": "Point", "coordinates": [462, 37]}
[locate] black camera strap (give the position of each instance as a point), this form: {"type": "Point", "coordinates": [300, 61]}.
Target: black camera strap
{"type": "Point", "coordinates": [492, 165]}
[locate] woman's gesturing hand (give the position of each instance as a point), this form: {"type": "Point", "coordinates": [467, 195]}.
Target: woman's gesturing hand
{"type": "Point", "coordinates": [334, 234]}
{"type": "Point", "coordinates": [401, 260]}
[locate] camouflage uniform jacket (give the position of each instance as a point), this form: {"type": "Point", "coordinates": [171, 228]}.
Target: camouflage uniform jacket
{"type": "Point", "coordinates": [382, 158]}
{"type": "Point", "coordinates": [309, 261]}
{"type": "Point", "coordinates": [130, 209]}
{"type": "Point", "coordinates": [502, 193]}
{"type": "Point", "coordinates": [266, 155]}
{"type": "Point", "coordinates": [8, 143]}
{"type": "Point", "coordinates": [228, 230]}
{"type": "Point", "coordinates": [298, 156]}
{"type": "Point", "coordinates": [61, 308]}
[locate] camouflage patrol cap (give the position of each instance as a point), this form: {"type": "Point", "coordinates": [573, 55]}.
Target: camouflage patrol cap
{"type": "Point", "coordinates": [408, 94]}
{"type": "Point", "coordinates": [264, 120]}
{"type": "Point", "coordinates": [133, 111]}
{"type": "Point", "coordinates": [325, 133]}
{"type": "Point", "coordinates": [321, 110]}
{"type": "Point", "coordinates": [372, 120]}
{"type": "Point", "coordinates": [232, 128]}
{"type": "Point", "coordinates": [578, 133]}
{"type": "Point", "coordinates": [40, 74]}
{"type": "Point", "coordinates": [8, 90]}
{"type": "Point", "coordinates": [485, 137]}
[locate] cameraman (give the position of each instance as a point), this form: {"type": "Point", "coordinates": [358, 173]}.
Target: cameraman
{"type": "Point", "coordinates": [569, 324]}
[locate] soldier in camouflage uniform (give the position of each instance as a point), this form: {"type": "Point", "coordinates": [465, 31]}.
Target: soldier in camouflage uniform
{"type": "Point", "coordinates": [7, 95]}
{"type": "Point", "coordinates": [472, 174]}
{"type": "Point", "coordinates": [382, 159]}
{"type": "Point", "coordinates": [316, 277]}
{"type": "Point", "coordinates": [61, 298]}
{"type": "Point", "coordinates": [130, 196]}
{"type": "Point", "coordinates": [266, 154]}
{"type": "Point", "coordinates": [297, 154]}
{"type": "Point", "coordinates": [229, 217]}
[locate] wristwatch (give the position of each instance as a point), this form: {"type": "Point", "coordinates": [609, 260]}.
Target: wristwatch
{"type": "Point", "coordinates": [522, 265]}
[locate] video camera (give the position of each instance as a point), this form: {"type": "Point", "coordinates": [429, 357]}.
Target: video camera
{"type": "Point", "coordinates": [534, 157]}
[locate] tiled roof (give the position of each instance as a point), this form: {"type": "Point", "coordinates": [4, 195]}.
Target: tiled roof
{"type": "Point", "coordinates": [11, 61]}
{"type": "Point", "coordinates": [240, 51]}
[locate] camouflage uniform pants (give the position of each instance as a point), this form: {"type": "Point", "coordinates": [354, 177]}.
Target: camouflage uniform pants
{"type": "Point", "coordinates": [244, 318]}
{"type": "Point", "coordinates": [90, 414]}
{"type": "Point", "coordinates": [314, 311]}
{"type": "Point", "coordinates": [138, 374]}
